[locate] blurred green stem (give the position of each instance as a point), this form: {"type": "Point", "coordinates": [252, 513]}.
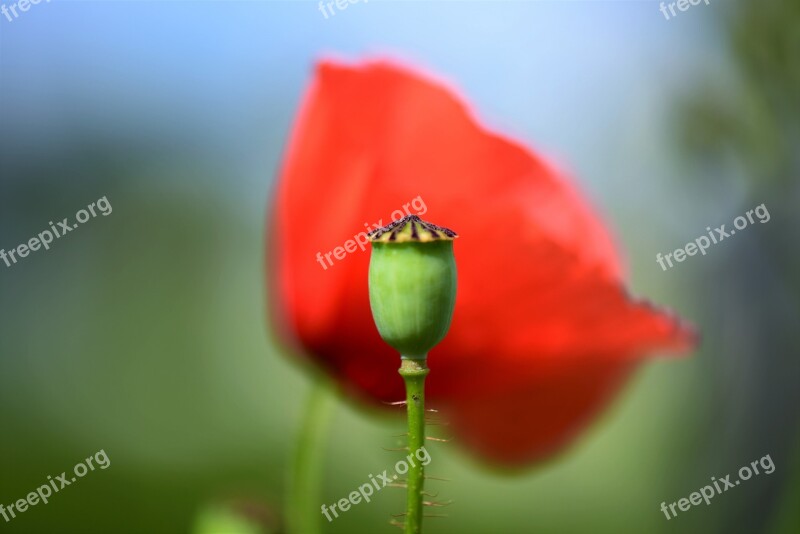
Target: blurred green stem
{"type": "Point", "coordinates": [303, 502]}
{"type": "Point", "coordinates": [414, 372]}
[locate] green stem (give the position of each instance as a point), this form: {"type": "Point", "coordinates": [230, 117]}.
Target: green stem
{"type": "Point", "coordinates": [303, 514]}
{"type": "Point", "coordinates": [414, 372]}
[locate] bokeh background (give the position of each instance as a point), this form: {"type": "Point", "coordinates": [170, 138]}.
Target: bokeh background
{"type": "Point", "coordinates": [144, 333]}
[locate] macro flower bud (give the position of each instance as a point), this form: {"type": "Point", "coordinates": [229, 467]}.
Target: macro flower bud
{"type": "Point", "coordinates": [412, 284]}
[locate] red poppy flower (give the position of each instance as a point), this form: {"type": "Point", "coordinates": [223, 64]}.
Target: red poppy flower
{"type": "Point", "coordinates": [543, 332]}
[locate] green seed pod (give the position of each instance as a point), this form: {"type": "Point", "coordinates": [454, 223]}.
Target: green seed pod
{"type": "Point", "coordinates": [412, 284]}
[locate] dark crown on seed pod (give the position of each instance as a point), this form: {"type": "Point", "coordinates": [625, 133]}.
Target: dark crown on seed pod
{"type": "Point", "coordinates": [411, 228]}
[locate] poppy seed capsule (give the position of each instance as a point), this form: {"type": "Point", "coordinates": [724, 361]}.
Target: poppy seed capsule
{"type": "Point", "coordinates": [412, 284]}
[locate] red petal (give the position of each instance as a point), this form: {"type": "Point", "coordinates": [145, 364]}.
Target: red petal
{"type": "Point", "coordinates": [543, 330]}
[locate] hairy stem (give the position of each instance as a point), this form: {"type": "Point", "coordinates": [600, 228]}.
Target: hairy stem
{"type": "Point", "coordinates": [414, 372]}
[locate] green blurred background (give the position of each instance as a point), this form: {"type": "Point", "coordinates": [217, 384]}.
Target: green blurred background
{"type": "Point", "coordinates": [144, 333]}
